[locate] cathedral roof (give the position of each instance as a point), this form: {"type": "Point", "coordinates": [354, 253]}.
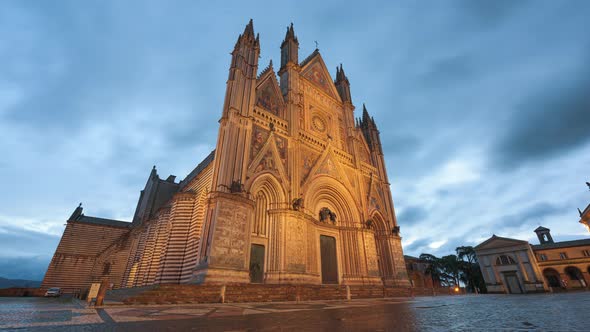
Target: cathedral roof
{"type": "Point", "coordinates": [200, 167]}
{"type": "Point", "coordinates": [309, 57]}
{"type": "Point", "coordinates": [103, 221]}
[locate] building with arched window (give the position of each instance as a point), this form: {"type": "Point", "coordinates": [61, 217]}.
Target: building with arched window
{"type": "Point", "coordinates": [296, 192]}
{"type": "Point", "coordinates": [516, 266]}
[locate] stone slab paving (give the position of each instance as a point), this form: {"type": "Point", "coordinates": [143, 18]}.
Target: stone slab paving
{"type": "Point", "coordinates": [541, 312]}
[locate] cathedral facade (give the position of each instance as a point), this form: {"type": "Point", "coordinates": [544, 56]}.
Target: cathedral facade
{"type": "Point", "coordinates": [296, 192]}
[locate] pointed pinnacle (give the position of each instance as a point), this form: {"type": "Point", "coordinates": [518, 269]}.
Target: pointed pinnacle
{"type": "Point", "coordinates": [340, 76]}
{"type": "Point", "coordinates": [249, 28]}
{"type": "Point", "coordinates": [290, 33]}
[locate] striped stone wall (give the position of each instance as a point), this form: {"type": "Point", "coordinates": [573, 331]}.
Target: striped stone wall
{"type": "Point", "coordinates": [164, 249]}
{"type": "Point", "coordinates": [75, 257]}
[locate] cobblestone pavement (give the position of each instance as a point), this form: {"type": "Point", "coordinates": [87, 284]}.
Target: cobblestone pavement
{"type": "Point", "coordinates": [541, 312]}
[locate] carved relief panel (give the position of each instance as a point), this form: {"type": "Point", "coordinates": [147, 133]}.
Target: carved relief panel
{"type": "Point", "coordinates": [371, 253]}
{"type": "Point", "coordinates": [295, 244]}
{"type": "Point", "coordinates": [230, 239]}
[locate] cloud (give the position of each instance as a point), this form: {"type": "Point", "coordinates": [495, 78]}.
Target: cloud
{"type": "Point", "coordinates": [411, 214]}
{"type": "Point", "coordinates": [551, 122]}
{"type": "Point", "coordinates": [480, 106]}
{"type": "Point", "coordinates": [25, 254]}
{"type": "Point", "coordinates": [531, 216]}
{"type": "Point", "coordinates": [490, 13]}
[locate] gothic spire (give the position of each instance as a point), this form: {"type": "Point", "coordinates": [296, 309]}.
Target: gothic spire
{"type": "Point", "coordinates": [249, 30]}
{"type": "Point", "coordinates": [248, 37]}
{"type": "Point", "coordinates": [290, 35]}
{"type": "Point", "coordinates": [366, 116]}
{"type": "Point", "coordinates": [342, 85]}
{"type": "Point", "coordinates": [290, 48]}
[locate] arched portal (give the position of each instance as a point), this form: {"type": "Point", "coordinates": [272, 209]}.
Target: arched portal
{"type": "Point", "coordinates": [382, 248]}
{"type": "Point", "coordinates": [552, 278]}
{"type": "Point", "coordinates": [331, 204]}
{"type": "Point", "coordinates": [268, 194]}
{"type": "Point", "coordinates": [325, 192]}
{"type": "Point", "coordinates": [576, 279]}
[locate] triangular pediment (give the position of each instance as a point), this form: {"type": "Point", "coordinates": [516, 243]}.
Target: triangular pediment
{"type": "Point", "coordinates": [271, 158]}
{"type": "Point", "coordinates": [328, 165]}
{"type": "Point", "coordinates": [314, 69]}
{"type": "Point", "coordinates": [496, 242]}
{"type": "Point", "coordinates": [268, 94]}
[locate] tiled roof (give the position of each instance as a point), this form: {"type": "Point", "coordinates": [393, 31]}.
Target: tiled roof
{"type": "Point", "coordinates": [562, 244]}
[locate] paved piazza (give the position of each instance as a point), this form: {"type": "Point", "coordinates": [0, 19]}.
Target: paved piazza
{"type": "Point", "coordinates": [542, 312]}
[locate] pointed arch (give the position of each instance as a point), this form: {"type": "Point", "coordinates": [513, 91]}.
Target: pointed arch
{"type": "Point", "coordinates": [268, 194]}
{"type": "Point", "coordinates": [326, 191]}
{"type": "Point", "coordinates": [379, 222]}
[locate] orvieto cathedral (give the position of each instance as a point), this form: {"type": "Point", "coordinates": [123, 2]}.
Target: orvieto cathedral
{"type": "Point", "coordinates": [296, 192]}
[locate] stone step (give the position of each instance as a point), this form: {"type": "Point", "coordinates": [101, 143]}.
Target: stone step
{"type": "Point", "coordinates": [171, 294]}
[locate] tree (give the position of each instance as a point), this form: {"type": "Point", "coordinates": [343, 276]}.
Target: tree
{"type": "Point", "coordinates": [451, 267]}
{"type": "Point", "coordinates": [471, 273]}
{"type": "Point", "coordinates": [433, 267]}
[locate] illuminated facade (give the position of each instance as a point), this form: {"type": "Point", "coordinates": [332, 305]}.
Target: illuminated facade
{"type": "Point", "coordinates": [515, 266]}
{"type": "Point", "coordinates": [296, 192]}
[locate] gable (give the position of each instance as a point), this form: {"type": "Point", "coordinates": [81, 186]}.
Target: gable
{"type": "Point", "coordinates": [496, 242]}
{"type": "Point", "coordinates": [328, 164]}
{"type": "Point", "coordinates": [307, 162]}
{"type": "Point", "coordinates": [316, 72]}
{"type": "Point", "coordinates": [268, 94]}
{"type": "Point", "coordinates": [269, 155]}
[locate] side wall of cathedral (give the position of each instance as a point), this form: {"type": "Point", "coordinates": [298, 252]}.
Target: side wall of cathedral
{"type": "Point", "coordinates": [76, 258]}
{"type": "Point", "coordinates": [165, 248]}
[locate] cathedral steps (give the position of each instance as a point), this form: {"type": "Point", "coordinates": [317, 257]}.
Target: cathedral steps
{"type": "Point", "coordinates": [236, 293]}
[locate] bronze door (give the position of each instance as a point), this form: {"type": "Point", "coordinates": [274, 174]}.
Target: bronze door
{"type": "Point", "coordinates": [328, 257]}
{"type": "Point", "coordinates": [257, 264]}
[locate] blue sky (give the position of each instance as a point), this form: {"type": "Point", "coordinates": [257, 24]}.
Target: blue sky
{"type": "Point", "coordinates": [483, 108]}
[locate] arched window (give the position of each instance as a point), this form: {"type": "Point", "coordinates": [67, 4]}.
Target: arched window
{"type": "Point", "coordinates": [504, 260]}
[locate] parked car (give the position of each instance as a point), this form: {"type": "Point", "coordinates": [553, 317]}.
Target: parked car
{"type": "Point", "coordinates": [53, 292]}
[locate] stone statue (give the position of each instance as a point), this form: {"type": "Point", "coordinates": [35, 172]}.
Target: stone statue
{"type": "Point", "coordinates": [395, 230]}
{"type": "Point", "coordinates": [235, 187]}
{"type": "Point", "coordinates": [297, 203]}
{"type": "Point", "coordinates": [369, 223]}
{"type": "Point", "coordinates": [326, 214]}
{"type": "Point", "coordinates": [333, 217]}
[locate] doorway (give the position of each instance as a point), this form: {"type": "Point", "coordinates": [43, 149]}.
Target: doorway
{"type": "Point", "coordinates": [552, 278]}
{"type": "Point", "coordinates": [328, 260]}
{"type": "Point", "coordinates": [512, 283]}
{"type": "Point", "coordinates": [257, 264]}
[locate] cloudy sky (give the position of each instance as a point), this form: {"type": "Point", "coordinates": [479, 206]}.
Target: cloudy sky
{"type": "Point", "coordinates": [483, 108]}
